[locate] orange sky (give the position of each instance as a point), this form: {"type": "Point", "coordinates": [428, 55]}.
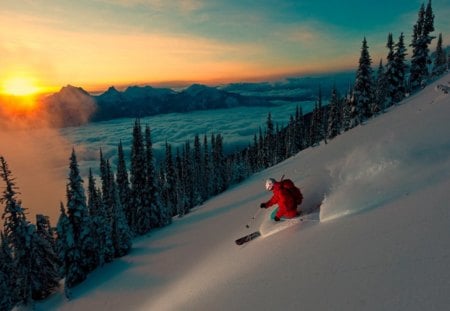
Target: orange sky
{"type": "Point", "coordinates": [98, 43]}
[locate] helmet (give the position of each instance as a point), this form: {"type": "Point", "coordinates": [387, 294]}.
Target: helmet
{"type": "Point", "coordinates": [269, 184]}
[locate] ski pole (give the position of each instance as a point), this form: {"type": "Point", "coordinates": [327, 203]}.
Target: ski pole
{"type": "Point", "coordinates": [253, 218]}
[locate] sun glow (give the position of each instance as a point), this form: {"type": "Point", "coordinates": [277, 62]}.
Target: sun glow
{"type": "Point", "coordinates": [20, 86]}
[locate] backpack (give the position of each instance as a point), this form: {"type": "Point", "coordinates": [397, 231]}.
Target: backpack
{"type": "Point", "coordinates": [295, 191]}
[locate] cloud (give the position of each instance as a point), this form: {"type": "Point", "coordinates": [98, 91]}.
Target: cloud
{"type": "Point", "coordinates": [185, 6]}
{"type": "Point", "coordinates": [38, 160]}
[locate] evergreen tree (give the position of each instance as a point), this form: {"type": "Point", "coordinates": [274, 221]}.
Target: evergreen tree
{"type": "Point", "coordinates": [299, 131]}
{"type": "Point", "coordinates": [44, 268]}
{"type": "Point", "coordinates": [84, 260]}
{"type": "Point", "coordinates": [188, 176]}
{"type": "Point", "coordinates": [206, 164]}
{"type": "Point", "coordinates": [138, 180]}
{"type": "Point", "coordinates": [181, 200]}
{"type": "Point", "coordinates": [123, 184]}
{"type": "Point", "coordinates": [152, 190]}
{"type": "Point", "coordinates": [19, 233]}
{"type": "Point", "coordinates": [269, 142]}
{"type": "Point", "coordinates": [101, 223]}
{"type": "Point", "coordinates": [169, 182]}
{"type": "Point", "coordinates": [348, 111]}
{"type": "Point", "coordinates": [440, 59]}
{"type": "Point", "coordinates": [334, 115]}
{"type": "Point", "coordinates": [290, 137]}
{"type": "Point", "coordinates": [420, 42]}
{"type": "Point", "coordinates": [363, 89]}
{"type": "Point", "coordinates": [400, 70]}
{"type": "Point", "coordinates": [7, 275]}
{"type": "Point", "coordinates": [197, 172]}
{"type": "Point", "coordinates": [315, 126]}
{"type": "Point", "coordinates": [121, 233]}
{"type": "Point", "coordinates": [263, 161]}
{"type": "Point", "coordinates": [379, 103]}
{"type": "Point", "coordinates": [390, 73]}
{"type": "Point", "coordinates": [64, 241]}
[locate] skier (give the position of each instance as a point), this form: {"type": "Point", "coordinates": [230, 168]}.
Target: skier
{"type": "Point", "coordinates": [286, 195]}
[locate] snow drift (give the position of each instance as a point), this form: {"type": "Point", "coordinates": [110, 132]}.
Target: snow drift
{"type": "Point", "coordinates": [390, 177]}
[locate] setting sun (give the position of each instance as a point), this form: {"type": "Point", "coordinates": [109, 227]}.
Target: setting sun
{"type": "Point", "coordinates": [19, 86]}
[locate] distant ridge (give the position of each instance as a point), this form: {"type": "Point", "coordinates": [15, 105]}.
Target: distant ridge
{"type": "Point", "coordinates": [73, 106]}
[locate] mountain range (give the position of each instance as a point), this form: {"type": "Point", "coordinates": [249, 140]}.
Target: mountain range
{"type": "Point", "coordinates": [73, 106]}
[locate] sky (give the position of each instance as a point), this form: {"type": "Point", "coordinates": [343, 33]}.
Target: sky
{"type": "Point", "coordinates": [381, 243]}
{"type": "Point", "coordinates": [98, 43]}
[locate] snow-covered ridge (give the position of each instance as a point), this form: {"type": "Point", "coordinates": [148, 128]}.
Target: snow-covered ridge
{"type": "Point", "coordinates": [391, 175]}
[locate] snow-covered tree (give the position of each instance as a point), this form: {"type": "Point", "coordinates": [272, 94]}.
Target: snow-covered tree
{"type": "Point", "coordinates": [206, 164]}
{"type": "Point", "coordinates": [400, 70]}
{"type": "Point", "coordinates": [19, 233]}
{"type": "Point", "coordinates": [379, 103]}
{"type": "Point", "coordinates": [334, 115]}
{"type": "Point", "coordinates": [390, 72]}
{"type": "Point", "coordinates": [121, 233]}
{"type": "Point", "coordinates": [363, 88]}
{"type": "Point", "coordinates": [152, 190]}
{"type": "Point", "coordinates": [168, 182]}
{"type": "Point", "coordinates": [123, 184]}
{"type": "Point", "coordinates": [420, 42]}
{"type": "Point", "coordinates": [101, 223]}
{"type": "Point", "coordinates": [440, 59]}
{"type": "Point", "coordinates": [44, 268]}
{"type": "Point", "coordinates": [81, 224]}
{"type": "Point", "coordinates": [140, 222]}
{"type": "Point", "coordinates": [197, 171]}
{"type": "Point", "coordinates": [7, 275]}
{"type": "Point", "coordinates": [348, 111]}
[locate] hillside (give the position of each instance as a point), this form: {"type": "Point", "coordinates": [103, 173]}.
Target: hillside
{"type": "Point", "coordinates": [381, 244]}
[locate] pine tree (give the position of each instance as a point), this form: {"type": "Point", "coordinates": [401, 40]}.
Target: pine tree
{"type": "Point", "coordinates": [363, 89]}
{"type": "Point", "coordinates": [299, 132]}
{"type": "Point", "coordinates": [169, 182]}
{"type": "Point", "coordinates": [390, 73]}
{"type": "Point", "coordinates": [420, 42]}
{"type": "Point", "coordinates": [152, 190]}
{"type": "Point", "coordinates": [348, 111]}
{"type": "Point", "coordinates": [138, 179]}
{"type": "Point", "coordinates": [19, 233]}
{"type": "Point", "coordinates": [7, 275]}
{"type": "Point", "coordinates": [84, 257]}
{"type": "Point", "coordinates": [400, 70]}
{"type": "Point", "coordinates": [314, 126]}
{"type": "Point", "coordinates": [64, 241]}
{"type": "Point", "coordinates": [334, 115]}
{"type": "Point", "coordinates": [101, 223]}
{"type": "Point", "coordinates": [44, 261]}
{"type": "Point", "coordinates": [206, 168]}
{"type": "Point", "coordinates": [188, 176]}
{"type": "Point", "coordinates": [181, 200]}
{"type": "Point", "coordinates": [197, 171]}
{"type": "Point", "coordinates": [123, 184]}
{"type": "Point", "coordinates": [269, 141]}
{"type": "Point", "coordinates": [440, 59]}
{"type": "Point", "coordinates": [379, 103]}
{"type": "Point", "coordinates": [121, 233]}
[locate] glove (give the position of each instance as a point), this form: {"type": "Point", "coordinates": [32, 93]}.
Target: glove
{"type": "Point", "coordinates": [263, 205]}
{"type": "Point", "coordinates": [276, 218]}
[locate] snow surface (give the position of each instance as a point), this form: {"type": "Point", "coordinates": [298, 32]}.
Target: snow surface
{"type": "Point", "coordinates": [382, 243]}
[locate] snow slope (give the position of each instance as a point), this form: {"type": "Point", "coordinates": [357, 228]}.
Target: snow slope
{"type": "Point", "coordinates": [382, 243]}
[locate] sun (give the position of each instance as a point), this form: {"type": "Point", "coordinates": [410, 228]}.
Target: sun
{"type": "Point", "coordinates": [20, 86]}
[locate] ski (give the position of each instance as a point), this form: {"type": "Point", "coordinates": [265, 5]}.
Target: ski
{"type": "Point", "coordinates": [248, 237]}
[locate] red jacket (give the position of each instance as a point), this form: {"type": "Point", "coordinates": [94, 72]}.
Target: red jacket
{"type": "Point", "coordinates": [287, 204]}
